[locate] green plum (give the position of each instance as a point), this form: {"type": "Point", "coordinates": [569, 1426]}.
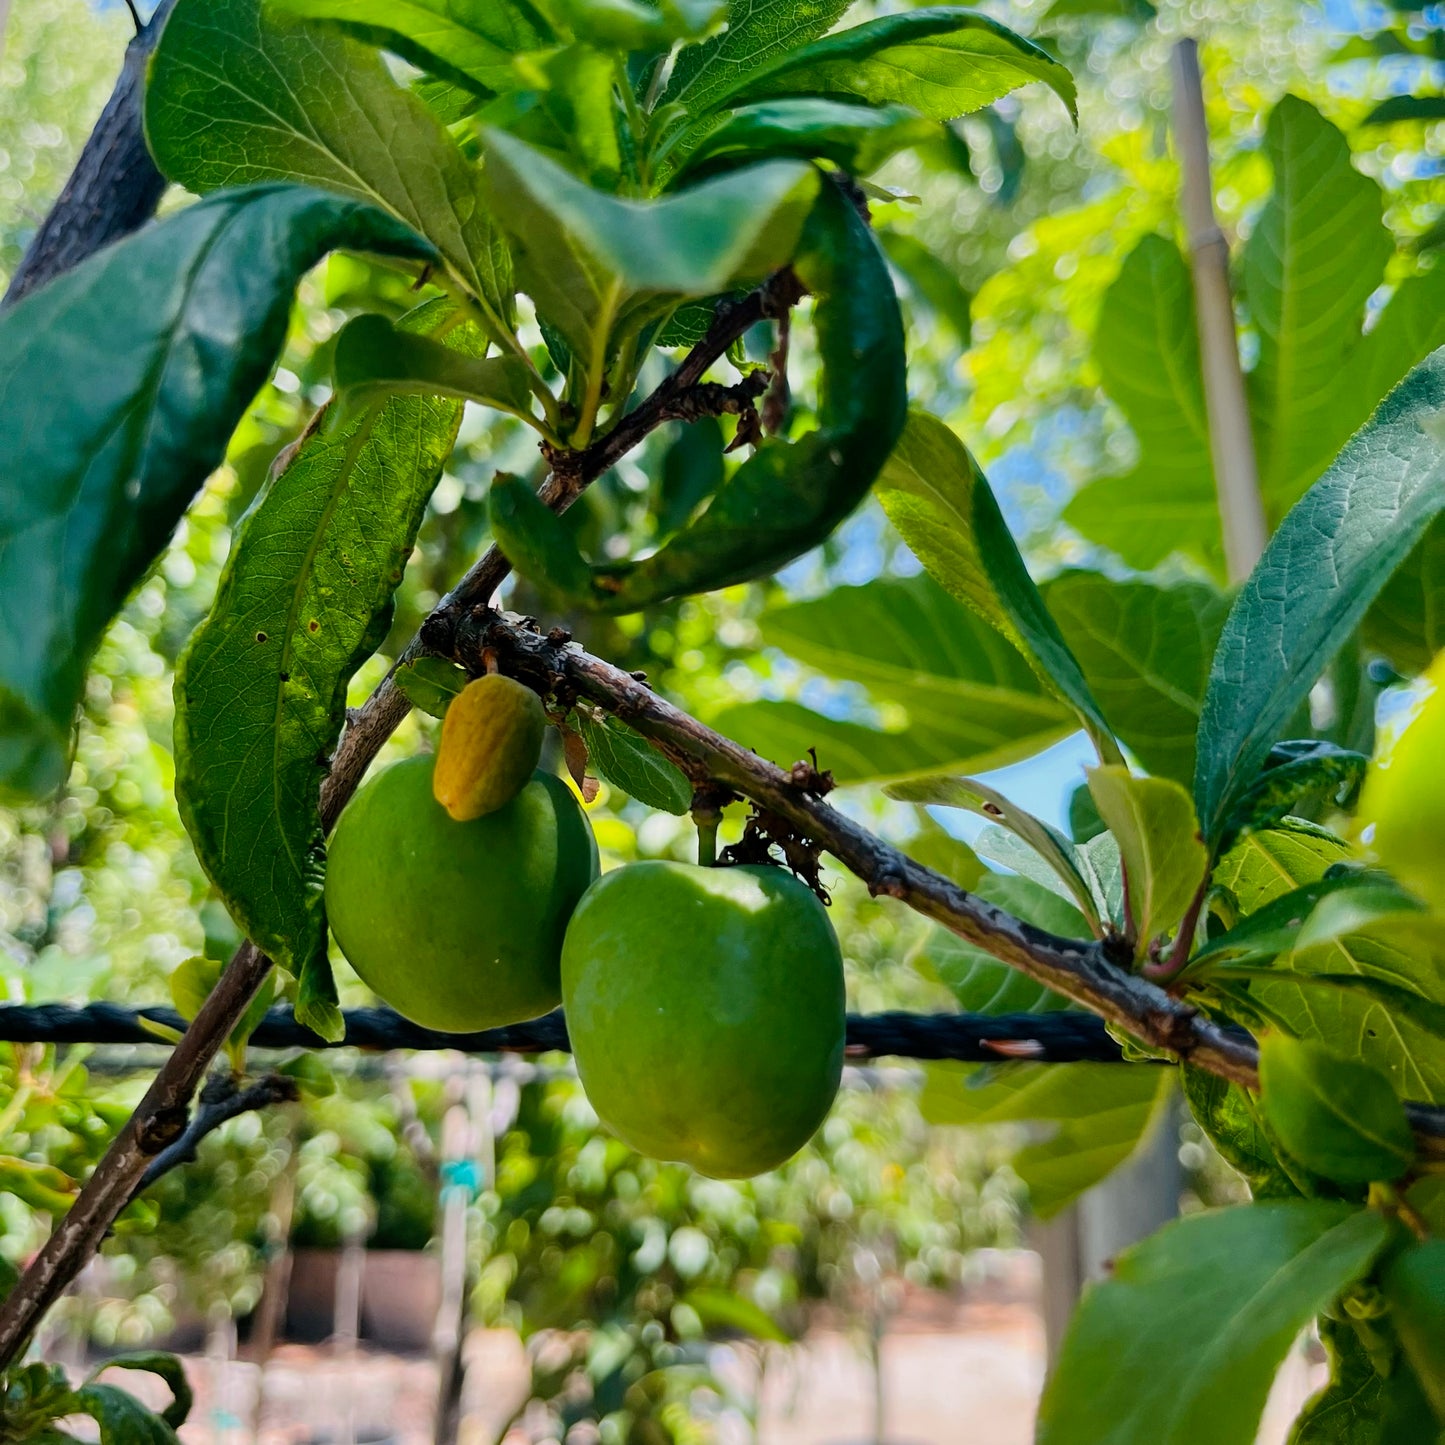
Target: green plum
{"type": "Point", "coordinates": [705, 1008]}
{"type": "Point", "coordinates": [458, 926]}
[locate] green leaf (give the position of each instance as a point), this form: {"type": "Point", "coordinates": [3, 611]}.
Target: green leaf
{"type": "Point", "coordinates": [1407, 620]}
{"type": "Point", "coordinates": [576, 88]}
{"type": "Point", "coordinates": [1280, 925]}
{"type": "Point", "coordinates": [933, 281]}
{"type": "Point", "coordinates": [122, 1419]}
{"type": "Point", "coordinates": [1180, 1344]}
{"type": "Point", "coordinates": [788, 497]}
{"type": "Point", "coordinates": [470, 43]}
{"type": "Point", "coordinates": [1392, 968]}
{"type": "Point", "coordinates": [1100, 1113]}
{"type": "Point", "coordinates": [1165, 860]}
{"type": "Point", "coordinates": [1414, 1286]}
{"type": "Point", "coordinates": [374, 359]}
{"type": "Point", "coordinates": [1316, 253]}
{"type": "Point", "coordinates": [1051, 845]}
{"type": "Point", "coordinates": [41, 1186]}
{"type": "Point", "coordinates": [940, 850]}
{"type": "Point", "coordinates": [261, 691]}
{"type": "Point", "coordinates": [1293, 772]}
{"type": "Point", "coordinates": [630, 764]}
{"type": "Point", "coordinates": [956, 694]}
{"type": "Point", "coordinates": [1317, 578]}
{"type": "Point", "coordinates": [1360, 1406]}
{"type": "Point", "coordinates": [757, 32]}
{"type": "Point", "coordinates": [1145, 651]}
{"type": "Point", "coordinates": [163, 339]}
{"type": "Point", "coordinates": [599, 266]}
{"type": "Point", "coordinates": [1146, 347]}
{"type": "Point", "coordinates": [1229, 1115]}
{"type": "Point", "coordinates": [1097, 1113]}
{"type": "Point", "coordinates": [859, 138]}
{"type": "Point", "coordinates": [168, 1367]}
{"type": "Point", "coordinates": [632, 25]}
{"type": "Point", "coordinates": [942, 62]}
{"type": "Point", "coordinates": [1338, 1117]}
{"type": "Point", "coordinates": [720, 1309]}
{"type": "Point", "coordinates": [1406, 108]}
{"type": "Point", "coordinates": [430, 683]}
{"type": "Point", "coordinates": [938, 499]}
{"type": "Point", "coordinates": [239, 92]}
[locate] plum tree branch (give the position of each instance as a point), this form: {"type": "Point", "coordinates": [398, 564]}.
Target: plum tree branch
{"type": "Point", "coordinates": [162, 1114]}
{"type": "Point", "coordinates": [115, 186]}
{"type": "Point", "coordinates": [1078, 969]}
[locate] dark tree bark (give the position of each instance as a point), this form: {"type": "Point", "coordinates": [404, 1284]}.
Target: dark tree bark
{"type": "Point", "coordinates": [115, 186]}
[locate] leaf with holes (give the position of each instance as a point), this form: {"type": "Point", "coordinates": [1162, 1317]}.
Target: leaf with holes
{"type": "Point", "coordinates": [261, 691]}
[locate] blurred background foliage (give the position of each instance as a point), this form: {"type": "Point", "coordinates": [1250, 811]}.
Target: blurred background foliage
{"type": "Point", "coordinates": [1005, 261]}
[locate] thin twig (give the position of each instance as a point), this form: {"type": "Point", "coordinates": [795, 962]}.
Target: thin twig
{"type": "Point", "coordinates": [222, 1099]}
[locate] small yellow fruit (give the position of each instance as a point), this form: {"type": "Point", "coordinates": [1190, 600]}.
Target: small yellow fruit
{"type": "Point", "coordinates": [1403, 800]}
{"type": "Point", "coordinates": [491, 743]}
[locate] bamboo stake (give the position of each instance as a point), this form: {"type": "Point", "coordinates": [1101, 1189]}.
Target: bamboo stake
{"type": "Point", "coordinates": [1231, 443]}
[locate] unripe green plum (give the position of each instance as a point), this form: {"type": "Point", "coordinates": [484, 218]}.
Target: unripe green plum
{"type": "Point", "coordinates": [458, 926]}
{"type": "Point", "coordinates": [705, 1008]}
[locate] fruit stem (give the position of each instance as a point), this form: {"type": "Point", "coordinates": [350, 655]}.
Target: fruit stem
{"type": "Point", "coordinates": [707, 821]}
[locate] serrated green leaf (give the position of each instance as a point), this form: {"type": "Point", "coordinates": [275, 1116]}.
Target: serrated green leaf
{"type": "Point", "coordinates": [1173, 1349]}
{"type": "Point", "coordinates": [1051, 845]}
{"type": "Point", "coordinates": [472, 42]}
{"type": "Point", "coordinates": [430, 683]}
{"type": "Point", "coordinates": [942, 62]}
{"type": "Point", "coordinates": [598, 265]}
{"type": "Point", "coordinates": [1145, 650]}
{"type": "Point", "coordinates": [758, 31]}
{"type": "Point", "coordinates": [261, 689]}
{"type": "Point", "coordinates": [934, 493]}
{"type": "Point", "coordinates": [1165, 861]}
{"type": "Point", "coordinates": [120, 383]}
{"type": "Point", "coordinates": [933, 281]}
{"type": "Point", "coordinates": [375, 359]}
{"type": "Point", "coordinates": [1318, 576]}
{"type": "Point", "coordinates": [858, 138]}
{"type": "Point", "coordinates": [623, 759]}
{"type": "Point", "coordinates": [240, 92]}
{"type": "Point", "coordinates": [1338, 1117]}
{"type": "Point", "coordinates": [960, 697]}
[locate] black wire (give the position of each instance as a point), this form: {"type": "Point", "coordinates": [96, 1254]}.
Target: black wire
{"type": "Point", "coordinates": [1061, 1037]}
